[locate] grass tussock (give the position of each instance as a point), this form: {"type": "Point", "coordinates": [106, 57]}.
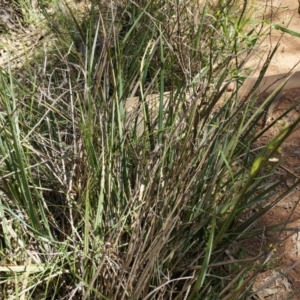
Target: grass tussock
{"type": "Point", "coordinates": [103, 197]}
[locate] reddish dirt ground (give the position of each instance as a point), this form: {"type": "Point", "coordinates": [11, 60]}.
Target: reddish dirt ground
{"type": "Point", "coordinates": [287, 254]}
{"type": "Point", "coordinates": [272, 284]}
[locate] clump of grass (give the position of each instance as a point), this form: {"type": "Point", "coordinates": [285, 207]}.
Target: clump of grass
{"type": "Point", "coordinates": [107, 197]}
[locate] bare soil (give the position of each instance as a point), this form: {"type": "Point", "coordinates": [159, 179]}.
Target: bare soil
{"type": "Point", "coordinates": [283, 13]}
{"type": "Point", "coordinates": [287, 243]}
{"type": "Point", "coordinates": [283, 282]}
